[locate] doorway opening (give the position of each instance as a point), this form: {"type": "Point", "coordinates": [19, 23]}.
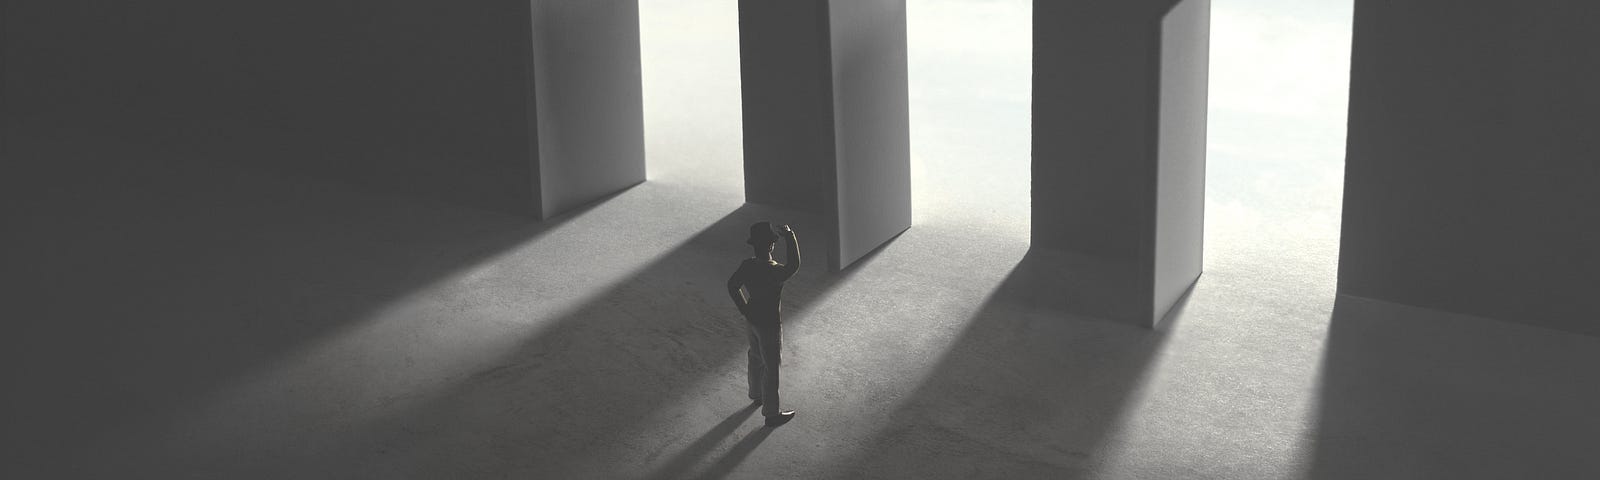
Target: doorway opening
{"type": "Point", "coordinates": [1279, 88]}
{"type": "Point", "coordinates": [970, 71]}
{"type": "Point", "coordinates": [689, 52]}
{"type": "Point", "coordinates": [1277, 94]}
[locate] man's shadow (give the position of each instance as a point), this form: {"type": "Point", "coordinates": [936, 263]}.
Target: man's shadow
{"type": "Point", "coordinates": [682, 463]}
{"type": "Point", "coordinates": [738, 453]}
{"type": "Point", "coordinates": [692, 454]}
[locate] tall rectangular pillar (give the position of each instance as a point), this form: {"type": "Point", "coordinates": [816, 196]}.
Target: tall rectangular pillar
{"type": "Point", "coordinates": [1119, 116]}
{"type": "Point", "coordinates": [585, 101]}
{"type": "Point", "coordinates": [1472, 173]}
{"type": "Point", "coordinates": [826, 116]}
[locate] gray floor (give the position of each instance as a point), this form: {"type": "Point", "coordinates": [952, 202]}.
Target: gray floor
{"type": "Point", "coordinates": [260, 326]}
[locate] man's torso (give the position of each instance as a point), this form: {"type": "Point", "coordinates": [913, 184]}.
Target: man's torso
{"type": "Point", "coordinates": [762, 281]}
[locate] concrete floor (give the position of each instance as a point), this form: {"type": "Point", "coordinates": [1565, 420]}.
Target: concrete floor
{"type": "Point", "coordinates": [262, 326]}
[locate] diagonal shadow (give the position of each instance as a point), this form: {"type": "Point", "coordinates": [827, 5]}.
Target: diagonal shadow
{"type": "Point", "coordinates": [589, 384]}
{"type": "Point", "coordinates": [1026, 391]}
{"type": "Point", "coordinates": [1408, 392]}
{"type": "Point", "coordinates": [596, 376]}
{"type": "Point", "coordinates": [686, 459]}
{"type": "Point", "coordinates": [150, 288]}
{"type": "Point", "coordinates": [737, 454]}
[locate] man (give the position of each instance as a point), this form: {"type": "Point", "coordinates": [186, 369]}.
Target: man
{"type": "Point", "coordinates": [761, 279]}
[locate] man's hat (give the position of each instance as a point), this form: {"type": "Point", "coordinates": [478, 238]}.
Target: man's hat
{"type": "Point", "coordinates": [761, 234]}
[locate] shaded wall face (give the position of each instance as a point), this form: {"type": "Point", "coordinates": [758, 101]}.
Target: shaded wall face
{"type": "Point", "coordinates": [1473, 166]}
{"type": "Point", "coordinates": [104, 72]}
{"type": "Point", "coordinates": [1093, 122]}
{"type": "Point", "coordinates": [588, 99]}
{"type": "Point", "coordinates": [416, 97]}
{"type": "Point", "coordinates": [872, 124]}
{"type": "Point", "coordinates": [785, 67]}
{"type": "Point", "coordinates": [1119, 143]}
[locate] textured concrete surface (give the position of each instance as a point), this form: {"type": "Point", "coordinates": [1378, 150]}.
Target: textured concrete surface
{"type": "Point", "coordinates": [203, 321]}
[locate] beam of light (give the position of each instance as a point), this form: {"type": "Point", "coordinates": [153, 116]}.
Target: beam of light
{"type": "Point", "coordinates": [970, 67]}
{"type": "Point", "coordinates": [1278, 95]}
{"type": "Point", "coordinates": [422, 344]}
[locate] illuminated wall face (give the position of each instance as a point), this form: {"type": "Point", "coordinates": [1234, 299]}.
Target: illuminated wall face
{"type": "Point", "coordinates": [586, 105]}
{"type": "Point", "coordinates": [872, 124]}
{"type": "Point", "coordinates": [1181, 152]}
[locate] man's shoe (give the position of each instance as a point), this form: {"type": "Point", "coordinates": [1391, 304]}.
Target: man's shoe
{"type": "Point", "coordinates": [780, 419]}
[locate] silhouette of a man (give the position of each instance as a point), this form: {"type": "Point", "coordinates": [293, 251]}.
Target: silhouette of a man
{"type": "Point", "coordinates": [761, 279]}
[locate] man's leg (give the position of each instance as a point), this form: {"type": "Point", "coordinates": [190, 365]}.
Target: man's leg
{"type": "Point", "coordinates": [771, 350]}
{"type": "Point", "coordinates": [755, 365]}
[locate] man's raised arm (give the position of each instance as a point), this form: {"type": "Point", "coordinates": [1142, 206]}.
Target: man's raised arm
{"type": "Point", "coordinates": [791, 263]}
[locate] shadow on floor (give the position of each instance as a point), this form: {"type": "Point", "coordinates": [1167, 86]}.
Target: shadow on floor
{"type": "Point", "coordinates": [1414, 393]}
{"type": "Point", "coordinates": [736, 455]}
{"type": "Point", "coordinates": [594, 379]}
{"type": "Point", "coordinates": [680, 464]}
{"type": "Point", "coordinates": [147, 288]}
{"type": "Point", "coordinates": [1026, 391]}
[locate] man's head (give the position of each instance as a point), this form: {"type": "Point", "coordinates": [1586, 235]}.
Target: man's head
{"type": "Point", "coordinates": [761, 236]}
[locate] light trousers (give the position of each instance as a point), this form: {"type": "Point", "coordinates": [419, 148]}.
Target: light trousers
{"type": "Point", "coordinates": [765, 354]}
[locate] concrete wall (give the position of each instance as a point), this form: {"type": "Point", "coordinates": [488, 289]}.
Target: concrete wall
{"type": "Point", "coordinates": [786, 84]}
{"type": "Point", "coordinates": [1181, 151]}
{"type": "Point", "coordinates": [826, 116]}
{"type": "Point", "coordinates": [1472, 179]}
{"type": "Point", "coordinates": [1094, 110]}
{"type": "Point", "coordinates": [872, 124]}
{"type": "Point", "coordinates": [1107, 166]}
{"type": "Point", "coordinates": [414, 97]}
{"type": "Point", "coordinates": [589, 100]}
